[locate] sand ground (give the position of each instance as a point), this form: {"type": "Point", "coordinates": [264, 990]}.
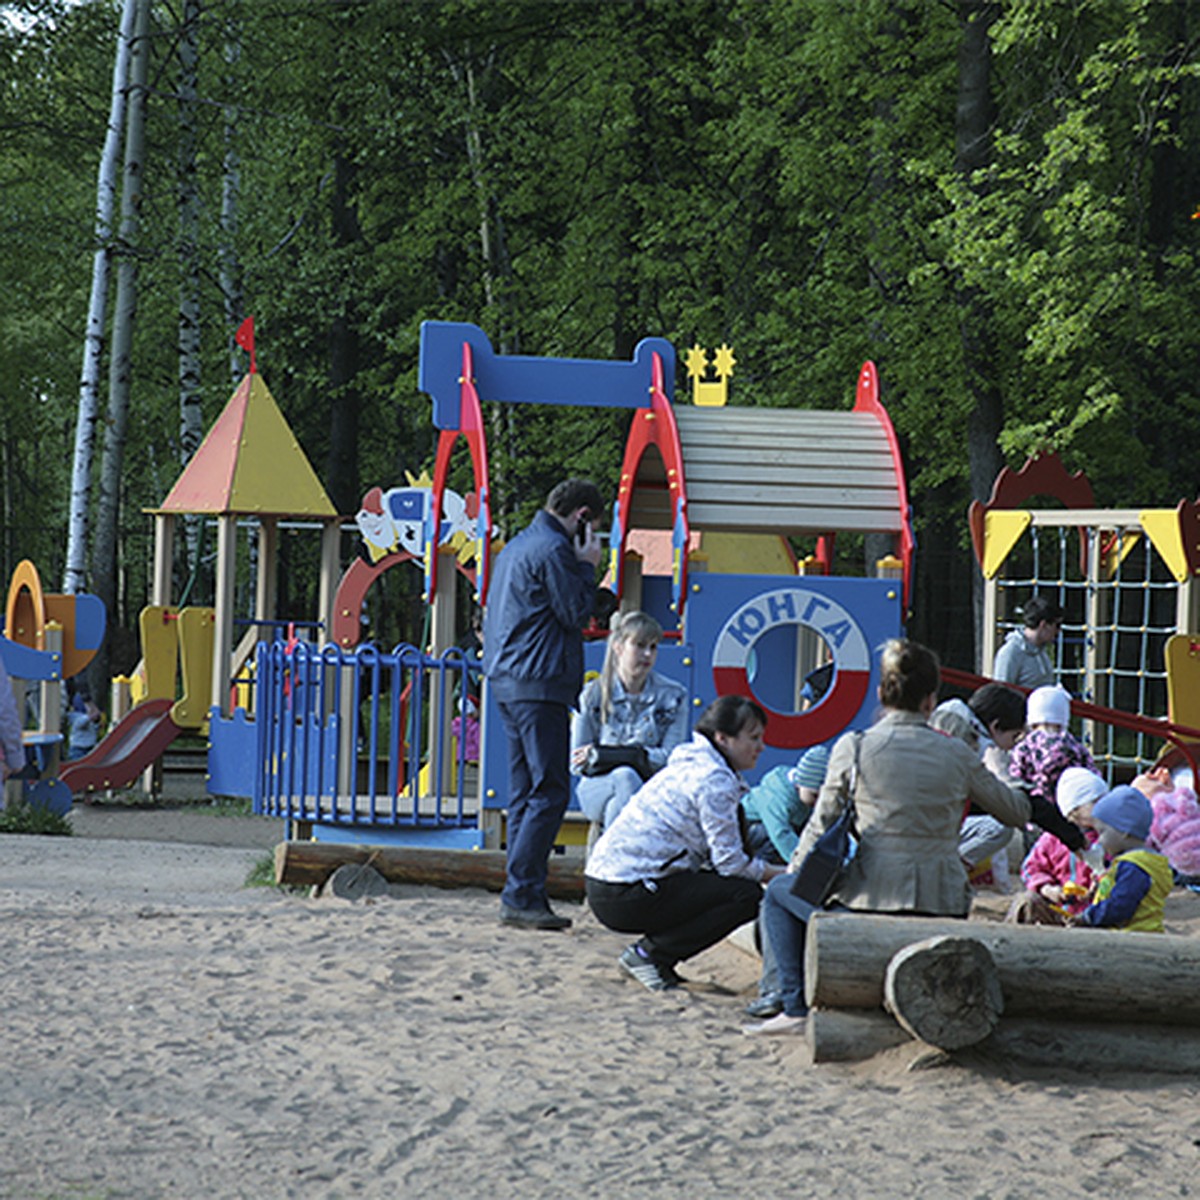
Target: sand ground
{"type": "Point", "coordinates": [169, 1032]}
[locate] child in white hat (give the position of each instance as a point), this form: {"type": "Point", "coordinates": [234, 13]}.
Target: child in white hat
{"type": "Point", "coordinates": [1058, 883]}
{"type": "Point", "coordinates": [1049, 747]}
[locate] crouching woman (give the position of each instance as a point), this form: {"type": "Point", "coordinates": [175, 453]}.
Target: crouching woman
{"type": "Point", "coordinates": [672, 866]}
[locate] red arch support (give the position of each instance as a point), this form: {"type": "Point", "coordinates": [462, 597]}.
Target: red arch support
{"type": "Point", "coordinates": [654, 427]}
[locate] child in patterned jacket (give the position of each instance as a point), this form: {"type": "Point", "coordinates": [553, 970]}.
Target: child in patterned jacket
{"type": "Point", "coordinates": [1049, 747]}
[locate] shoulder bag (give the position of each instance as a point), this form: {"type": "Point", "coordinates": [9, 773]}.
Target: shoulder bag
{"type": "Point", "coordinates": [825, 864]}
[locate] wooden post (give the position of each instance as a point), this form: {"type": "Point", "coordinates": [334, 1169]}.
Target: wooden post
{"type": "Point", "coordinates": [331, 554]}
{"type": "Point", "coordinates": [223, 606]}
{"type": "Point", "coordinates": [164, 559]}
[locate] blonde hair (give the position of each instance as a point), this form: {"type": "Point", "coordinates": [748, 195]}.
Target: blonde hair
{"type": "Point", "coordinates": [628, 627]}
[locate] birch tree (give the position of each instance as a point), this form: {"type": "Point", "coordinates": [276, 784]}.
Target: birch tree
{"type": "Point", "coordinates": [74, 575]}
{"type": "Point", "coordinates": [104, 549]}
{"type": "Point", "coordinates": [231, 180]}
{"type": "Point", "coordinates": [191, 424]}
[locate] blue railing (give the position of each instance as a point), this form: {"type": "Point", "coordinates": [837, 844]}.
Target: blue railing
{"type": "Point", "coordinates": [364, 737]}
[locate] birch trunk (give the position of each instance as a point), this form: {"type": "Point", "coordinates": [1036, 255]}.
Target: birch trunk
{"type": "Point", "coordinates": [231, 182]}
{"type": "Point", "coordinates": [75, 575]}
{"type": "Point", "coordinates": [104, 549]}
{"type": "Point", "coordinates": [191, 429]}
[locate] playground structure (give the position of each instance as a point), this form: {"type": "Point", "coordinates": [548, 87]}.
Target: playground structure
{"type": "Point", "coordinates": [1127, 580]}
{"type": "Point", "coordinates": [355, 744]}
{"type": "Point", "coordinates": [248, 467]}
{"type": "Point", "coordinates": [48, 638]}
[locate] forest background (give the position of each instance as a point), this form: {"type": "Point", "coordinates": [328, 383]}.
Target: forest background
{"type": "Point", "coordinates": [994, 202]}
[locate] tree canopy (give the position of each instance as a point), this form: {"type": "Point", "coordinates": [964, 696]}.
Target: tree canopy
{"type": "Point", "coordinates": [993, 202]}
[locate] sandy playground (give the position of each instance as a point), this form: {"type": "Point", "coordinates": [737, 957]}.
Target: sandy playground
{"type": "Point", "coordinates": [168, 1032]}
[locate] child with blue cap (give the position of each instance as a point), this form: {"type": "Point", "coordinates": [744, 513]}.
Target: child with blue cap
{"type": "Point", "coordinates": [777, 807]}
{"type": "Point", "coordinates": [1132, 892]}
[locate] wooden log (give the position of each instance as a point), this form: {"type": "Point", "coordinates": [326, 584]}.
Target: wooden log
{"type": "Point", "coordinates": [355, 881]}
{"type": "Point", "coordinates": [1096, 1047]}
{"type": "Point", "coordinates": [854, 1035]}
{"type": "Point", "coordinates": [307, 863]}
{"type": "Point", "coordinates": [851, 1034]}
{"type": "Point", "coordinates": [944, 991]}
{"type": "Point", "coordinates": [1086, 974]}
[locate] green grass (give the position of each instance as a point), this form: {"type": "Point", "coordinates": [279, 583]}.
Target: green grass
{"type": "Point", "coordinates": [20, 817]}
{"type": "Point", "coordinates": [232, 806]}
{"type": "Point", "coordinates": [262, 874]}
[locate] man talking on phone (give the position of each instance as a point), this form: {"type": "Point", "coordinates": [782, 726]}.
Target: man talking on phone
{"type": "Point", "coordinates": [542, 592]}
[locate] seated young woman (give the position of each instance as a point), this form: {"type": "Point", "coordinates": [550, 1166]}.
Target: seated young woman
{"type": "Point", "coordinates": [908, 784]}
{"type": "Point", "coordinates": [672, 866]}
{"type": "Point", "coordinates": [628, 704]}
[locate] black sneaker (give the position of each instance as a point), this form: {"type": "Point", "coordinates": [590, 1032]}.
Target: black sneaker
{"type": "Point", "coordinates": [769, 1005]}
{"type": "Point", "coordinates": [532, 918]}
{"type": "Point", "coordinates": [673, 976]}
{"type": "Point", "coordinates": [647, 972]}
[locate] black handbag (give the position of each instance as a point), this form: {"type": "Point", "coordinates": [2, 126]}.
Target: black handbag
{"type": "Point", "coordinates": [602, 759]}
{"type": "Point", "coordinates": [825, 864]}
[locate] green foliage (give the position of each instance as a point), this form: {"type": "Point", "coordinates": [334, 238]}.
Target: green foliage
{"type": "Point", "coordinates": [20, 817]}
{"type": "Point", "coordinates": [575, 176]}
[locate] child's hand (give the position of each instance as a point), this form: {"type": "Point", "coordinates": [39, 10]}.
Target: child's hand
{"type": "Point", "coordinates": [1053, 893]}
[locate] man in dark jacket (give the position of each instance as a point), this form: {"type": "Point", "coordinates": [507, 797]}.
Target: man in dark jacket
{"type": "Point", "coordinates": [542, 592]}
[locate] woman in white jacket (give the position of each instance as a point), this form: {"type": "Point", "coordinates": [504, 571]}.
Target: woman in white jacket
{"type": "Point", "coordinates": [672, 866]}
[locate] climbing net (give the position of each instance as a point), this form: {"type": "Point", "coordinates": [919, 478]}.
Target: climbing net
{"type": "Point", "coordinates": [1120, 602]}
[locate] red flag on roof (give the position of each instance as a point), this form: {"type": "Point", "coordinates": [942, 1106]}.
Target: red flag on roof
{"type": "Point", "coordinates": [245, 338]}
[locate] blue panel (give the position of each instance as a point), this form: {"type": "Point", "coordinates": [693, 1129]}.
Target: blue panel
{"type": "Point", "coordinates": [846, 612]}
{"type": "Point", "coordinates": [519, 379]}
{"type": "Point", "coordinates": [658, 594]}
{"type": "Point", "coordinates": [22, 662]}
{"type": "Point", "coordinates": [50, 794]}
{"type": "Point", "coordinates": [380, 835]}
{"type": "Point", "coordinates": [232, 754]}
{"type": "Point", "coordinates": [90, 621]}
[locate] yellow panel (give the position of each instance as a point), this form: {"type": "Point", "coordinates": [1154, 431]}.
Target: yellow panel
{"type": "Point", "coordinates": [160, 642]}
{"type": "Point", "coordinates": [196, 627]}
{"type": "Point", "coordinates": [1183, 679]}
{"type": "Point", "coordinates": [1002, 530]}
{"type": "Point", "coordinates": [746, 553]}
{"type": "Point", "coordinates": [272, 474]}
{"type": "Point", "coordinates": [1117, 554]}
{"type": "Point", "coordinates": [1162, 527]}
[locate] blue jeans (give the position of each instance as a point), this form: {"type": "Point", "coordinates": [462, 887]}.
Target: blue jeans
{"type": "Point", "coordinates": [981, 837]}
{"type": "Point", "coordinates": [539, 792]}
{"type": "Point", "coordinates": [785, 927]}
{"type": "Point", "coordinates": [601, 797]}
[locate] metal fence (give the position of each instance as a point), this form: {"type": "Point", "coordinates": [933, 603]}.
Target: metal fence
{"type": "Point", "coordinates": [366, 737]}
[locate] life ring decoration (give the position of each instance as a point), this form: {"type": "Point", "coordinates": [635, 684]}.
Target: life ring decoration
{"type": "Point", "coordinates": [840, 631]}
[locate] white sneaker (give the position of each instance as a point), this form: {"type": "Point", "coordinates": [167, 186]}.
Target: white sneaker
{"type": "Point", "coordinates": [781, 1023]}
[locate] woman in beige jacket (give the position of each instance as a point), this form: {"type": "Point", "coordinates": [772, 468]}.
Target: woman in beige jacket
{"type": "Point", "coordinates": [909, 785]}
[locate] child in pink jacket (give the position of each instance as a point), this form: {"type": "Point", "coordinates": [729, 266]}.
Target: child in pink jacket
{"type": "Point", "coordinates": [1057, 881]}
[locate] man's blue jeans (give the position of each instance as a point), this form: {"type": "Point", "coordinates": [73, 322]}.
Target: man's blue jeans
{"type": "Point", "coordinates": [539, 792]}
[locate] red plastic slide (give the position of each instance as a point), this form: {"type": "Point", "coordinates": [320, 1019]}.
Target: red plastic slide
{"type": "Point", "coordinates": [139, 738]}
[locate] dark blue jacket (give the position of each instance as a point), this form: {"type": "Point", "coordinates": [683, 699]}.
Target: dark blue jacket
{"type": "Point", "coordinates": [539, 600]}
